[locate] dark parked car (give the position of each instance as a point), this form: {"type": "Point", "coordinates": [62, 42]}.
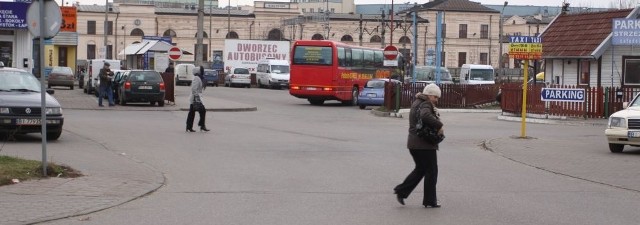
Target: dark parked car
{"type": "Point", "coordinates": [141, 86]}
{"type": "Point", "coordinates": [118, 79]}
{"type": "Point", "coordinates": [211, 77]}
{"type": "Point", "coordinates": [60, 76]}
{"type": "Point", "coordinates": [20, 105]}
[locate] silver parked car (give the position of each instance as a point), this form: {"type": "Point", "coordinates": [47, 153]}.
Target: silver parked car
{"type": "Point", "coordinates": [60, 76]}
{"type": "Point", "coordinates": [238, 77]}
{"type": "Point", "coordinates": [20, 105]}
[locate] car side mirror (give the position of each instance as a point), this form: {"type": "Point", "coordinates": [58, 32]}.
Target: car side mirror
{"type": "Point", "coordinates": [625, 105]}
{"type": "Point", "coordinates": [51, 91]}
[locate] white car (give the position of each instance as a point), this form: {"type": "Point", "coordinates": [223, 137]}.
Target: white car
{"type": "Point", "coordinates": [624, 127]}
{"type": "Point", "coordinates": [239, 77]}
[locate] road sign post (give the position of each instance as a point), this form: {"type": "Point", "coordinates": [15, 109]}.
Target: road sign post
{"type": "Point", "coordinates": [390, 54]}
{"type": "Point", "coordinates": [175, 53]}
{"type": "Point", "coordinates": [526, 48]}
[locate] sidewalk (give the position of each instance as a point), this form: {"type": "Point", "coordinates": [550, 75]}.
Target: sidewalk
{"type": "Point", "coordinates": [103, 186]}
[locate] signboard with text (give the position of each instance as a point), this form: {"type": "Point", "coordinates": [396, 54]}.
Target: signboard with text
{"type": "Point", "coordinates": [69, 18]}
{"type": "Point", "coordinates": [13, 15]}
{"type": "Point", "coordinates": [525, 47]}
{"type": "Point", "coordinates": [563, 94]}
{"type": "Point", "coordinates": [626, 32]}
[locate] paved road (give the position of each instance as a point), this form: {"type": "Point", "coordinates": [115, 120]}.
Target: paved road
{"type": "Point", "coordinates": [292, 163]}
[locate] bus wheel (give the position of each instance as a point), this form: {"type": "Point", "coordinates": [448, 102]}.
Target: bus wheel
{"type": "Point", "coordinates": [354, 98]}
{"type": "Point", "coordinates": [316, 101]}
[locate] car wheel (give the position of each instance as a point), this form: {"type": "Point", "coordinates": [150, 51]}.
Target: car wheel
{"type": "Point", "coordinates": [354, 97]}
{"type": "Point", "coordinates": [71, 87]}
{"type": "Point", "coordinates": [316, 101]}
{"type": "Point", "coordinates": [84, 90]}
{"type": "Point", "coordinates": [161, 103]}
{"type": "Point", "coordinates": [122, 100]}
{"type": "Point", "coordinates": [248, 85]}
{"type": "Point", "coordinates": [362, 106]}
{"type": "Point", "coordinates": [152, 103]}
{"type": "Point", "coordinates": [616, 148]}
{"type": "Point", "coordinates": [49, 86]}
{"type": "Point", "coordinates": [51, 136]}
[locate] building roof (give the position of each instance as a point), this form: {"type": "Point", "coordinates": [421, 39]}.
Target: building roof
{"type": "Point", "coordinates": [454, 6]}
{"type": "Point", "coordinates": [158, 10]}
{"type": "Point", "coordinates": [578, 35]}
{"type": "Point", "coordinates": [96, 8]}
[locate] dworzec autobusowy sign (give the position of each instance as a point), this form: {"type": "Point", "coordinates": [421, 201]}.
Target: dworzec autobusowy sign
{"type": "Point", "coordinates": [563, 94]}
{"type": "Point", "coordinates": [626, 32]}
{"type": "Point", "coordinates": [525, 47]}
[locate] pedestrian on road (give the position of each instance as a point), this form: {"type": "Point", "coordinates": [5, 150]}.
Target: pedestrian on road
{"type": "Point", "coordinates": [105, 84]}
{"type": "Point", "coordinates": [195, 100]}
{"type": "Point", "coordinates": [422, 151]}
{"type": "Point", "coordinates": [169, 69]}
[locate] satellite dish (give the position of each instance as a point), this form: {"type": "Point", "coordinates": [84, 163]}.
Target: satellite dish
{"type": "Point", "coordinates": [52, 20]}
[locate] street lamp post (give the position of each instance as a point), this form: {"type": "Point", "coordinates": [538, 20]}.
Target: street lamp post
{"type": "Point", "coordinates": [501, 64]}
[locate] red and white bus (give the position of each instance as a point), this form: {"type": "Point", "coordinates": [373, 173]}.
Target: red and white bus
{"type": "Point", "coordinates": [327, 70]}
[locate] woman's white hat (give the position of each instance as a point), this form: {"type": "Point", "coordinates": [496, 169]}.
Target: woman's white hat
{"type": "Point", "coordinates": [432, 89]}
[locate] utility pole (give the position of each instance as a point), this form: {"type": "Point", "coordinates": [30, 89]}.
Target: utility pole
{"type": "Point", "coordinates": [106, 24]}
{"type": "Point", "coordinates": [360, 37]}
{"type": "Point", "coordinates": [229, 17]}
{"type": "Point", "coordinates": [199, 34]}
{"type": "Point", "coordinates": [501, 65]}
{"type": "Point", "coordinates": [391, 28]}
{"type": "Point", "coordinates": [210, 32]}
{"type": "Point", "coordinates": [383, 29]}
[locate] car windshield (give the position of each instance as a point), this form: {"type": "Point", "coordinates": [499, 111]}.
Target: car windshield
{"type": "Point", "coordinates": [145, 76]}
{"type": "Point", "coordinates": [375, 84]}
{"type": "Point", "coordinates": [482, 74]}
{"type": "Point", "coordinates": [424, 74]}
{"type": "Point", "coordinates": [240, 71]}
{"type": "Point", "coordinates": [280, 69]}
{"type": "Point", "coordinates": [18, 81]}
{"type": "Point", "coordinates": [62, 70]}
{"type": "Point", "coordinates": [210, 73]}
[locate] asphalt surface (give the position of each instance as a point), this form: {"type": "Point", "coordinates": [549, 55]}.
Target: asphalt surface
{"type": "Point", "coordinates": [105, 185]}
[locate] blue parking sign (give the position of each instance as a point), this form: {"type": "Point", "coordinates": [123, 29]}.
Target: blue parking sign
{"type": "Point", "coordinates": [563, 94]}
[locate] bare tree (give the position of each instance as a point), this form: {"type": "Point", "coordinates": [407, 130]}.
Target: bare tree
{"type": "Point", "coordinates": [623, 4]}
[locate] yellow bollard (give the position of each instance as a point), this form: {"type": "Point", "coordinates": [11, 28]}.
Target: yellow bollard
{"type": "Point", "coordinates": [523, 129]}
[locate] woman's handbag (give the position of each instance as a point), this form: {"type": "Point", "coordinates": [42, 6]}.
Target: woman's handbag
{"type": "Point", "coordinates": [427, 133]}
{"type": "Point", "coordinates": [197, 103]}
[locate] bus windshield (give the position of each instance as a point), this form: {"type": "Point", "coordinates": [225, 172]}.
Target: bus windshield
{"type": "Point", "coordinates": [481, 74]}
{"type": "Point", "coordinates": [313, 55]}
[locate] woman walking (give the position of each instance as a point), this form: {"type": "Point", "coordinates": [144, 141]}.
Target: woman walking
{"type": "Point", "coordinates": [423, 151]}
{"type": "Point", "coordinates": [195, 100]}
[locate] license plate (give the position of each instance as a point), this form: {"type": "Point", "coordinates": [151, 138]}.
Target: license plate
{"type": "Point", "coordinates": [633, 134]}
{"type": "Point", "coordinates": [27, 121]}
{"type": "Point", "coordinates": [311, 88]}
{"type": "Point", "coordinates": [145, 87]}
{"type": "Point", "coordinates": [371, 95]}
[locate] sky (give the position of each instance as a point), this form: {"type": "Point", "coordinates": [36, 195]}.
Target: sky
{"type": "Point", "coordinates": [574, 3]}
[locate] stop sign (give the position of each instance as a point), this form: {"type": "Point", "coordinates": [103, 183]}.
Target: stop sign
{"type": "Point", "coordinates": [390, 52]}
{"type": "Point", "coordinates": [175, 53]}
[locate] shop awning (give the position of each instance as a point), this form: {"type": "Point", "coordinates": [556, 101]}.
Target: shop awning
{"type": "Point", "coordinates": [149, 46]}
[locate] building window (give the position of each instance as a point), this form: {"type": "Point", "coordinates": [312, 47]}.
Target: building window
{"type": "Point", "coordinates": [311, 10]}
{"type": "Point", "coordinates": [404, 40]}
{"type": "Point", "coordinates": [584, 73]}
{"type": "Point", "coordinates": [204, 35]}
{"type": "Point", "coordinates": [462, 58]}
{"type": "Point", "coordinates": [169, 33]}
{"type": "Point", "coordinates": [484, 58]}
{"type": "Point", "coordinates": [346, 38]}
{"type": "Point", "coordinates": [91, 51]}
{"type": "Point", "coordinates": [109, 27]}
{"type": "Point", "coordinates": [631, 69]}
{"type": "Point", "coordinates": [91, 27]}
{"type": "Point", "coordinates": [317, 37]}
{"type": "Point", "coordinates": [137, 32]}
{"type": "Point", "coordinates": [463, 31]}
{"type": "Point", "coordinates": [333, 10]}
{"type": "Point", "coordinates": [304, 10]}
{"type": "Point", "coordinates": [232, 35]}
{"type": "Point", "coordinates": [375, 38]}
{"type": "Point", "coordinates": [110, 53]}
{"type": "Point", "coordinates": [444, 30]}
{"type": "Point", "coordinates": [484, 31]}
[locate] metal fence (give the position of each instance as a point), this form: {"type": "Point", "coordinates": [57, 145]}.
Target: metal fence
{"type": "Point", "coordinates": [453, 95]}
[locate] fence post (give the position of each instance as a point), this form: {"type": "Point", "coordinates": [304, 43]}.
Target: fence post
{"type": "Point", "coordinates": [397, 89]}
{"type": "Point", "coordinates": [606, 102]}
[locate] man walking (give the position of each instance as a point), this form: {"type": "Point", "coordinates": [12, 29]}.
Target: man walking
{"type": "Point", "coordinates": [105, 84]}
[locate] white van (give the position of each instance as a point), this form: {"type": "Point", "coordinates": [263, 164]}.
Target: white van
{"type": "Point", "coordinates": [428, 74]}
{"type": "Point", "coordinates": [273, 73]}
{"type": "Point", "coordinates": [184, 73]}
{"type": "Point", "coordinates": [477, 74]}
{"type": "Point", "coordinates": [91, 79]}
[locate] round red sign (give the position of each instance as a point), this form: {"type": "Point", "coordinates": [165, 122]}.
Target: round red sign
{"type": "Point", "coordinates": [390, 52]}
{"type": "Point", "coordinates": [174, 53]}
